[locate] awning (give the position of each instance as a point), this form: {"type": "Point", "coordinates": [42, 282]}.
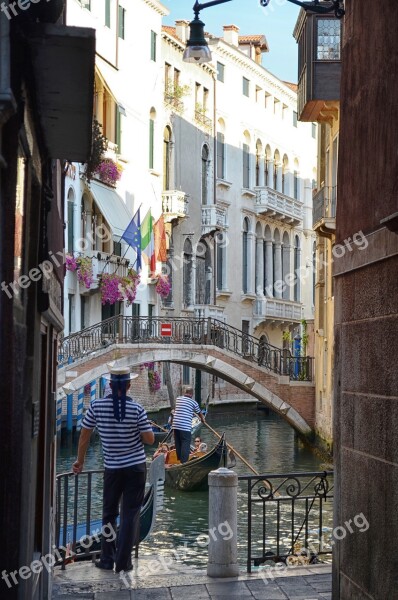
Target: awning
{"type": "Point", "coordinates": [110, 77]}
{"type": "Point", "coordinates": [112, 207]}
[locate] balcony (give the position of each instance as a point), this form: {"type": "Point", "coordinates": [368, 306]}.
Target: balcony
{"type": "Point", "coordinates": [203, 311]}
{"type": "Point", "coordinates": [174, 205]}
{"type": "Point", "coordinates": [174, 102]}
{"type": "Point", "coordinates": [202, 120]}
{"type": "Point", "coordinates": [106, 263]}
{"type": "Point", "coordinates": [213, 217]}
{"type": "Point", "coordinates": [277, 310]}
{"type": "Point", "coordinates": [324, 211]}
{"type": "Point", "coordinates": [277, 206]}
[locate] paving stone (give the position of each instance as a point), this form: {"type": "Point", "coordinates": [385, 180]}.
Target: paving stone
{"type": "Point", "coordinates": [327, 596]}
{"type": "Point", "coordinates": [263, 591]}
{"type": "Point", "coordinates": [197, 592]}
{"type": "Point", "coordinates": [116, 595]}
{"type": "Point", "coordinates": [152, 594]}
{"type": "Point", "coordinates": [322, 586]}
{"type": "Point", "coordinates": [71, 596]}
{"type": "Point", "coordinates": [229, 589]}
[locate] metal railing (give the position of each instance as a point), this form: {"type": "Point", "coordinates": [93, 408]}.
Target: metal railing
{"type": "Point", "coordinates": [324, 204]}
{"type": "Point", "coordinates": [208, 331]}
{"type": "Point", "coordinates": [288, 515]}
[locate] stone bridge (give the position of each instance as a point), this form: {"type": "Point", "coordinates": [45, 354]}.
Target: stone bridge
{"type": "Point", "coordinates": [293, 400]}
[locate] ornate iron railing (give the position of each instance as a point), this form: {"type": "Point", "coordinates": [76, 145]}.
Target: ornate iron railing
{"type": "Point", "coordinates": [289, 517]}
{"type": "Point", "coordinates": [124, 330]}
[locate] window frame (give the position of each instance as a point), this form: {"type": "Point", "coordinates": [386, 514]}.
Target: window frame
{"type": "Point", "coordinates": [246, 87]}
{"type": "Point", "coordinates": [121, 33]}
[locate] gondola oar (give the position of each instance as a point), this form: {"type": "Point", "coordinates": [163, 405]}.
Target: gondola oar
{"type": "Point", "coordinates": [239, 456]}
{"type": "Point", "coordinates": [159, 426]}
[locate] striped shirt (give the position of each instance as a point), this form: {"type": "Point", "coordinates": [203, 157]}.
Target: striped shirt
{"type": "Point", "coordinates": [121, 441]}
{"type": "Point", "coordinates": [185, 407]}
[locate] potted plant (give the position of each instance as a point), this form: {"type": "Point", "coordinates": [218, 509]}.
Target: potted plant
{"type": "Point", "coordinates": [109, 172]}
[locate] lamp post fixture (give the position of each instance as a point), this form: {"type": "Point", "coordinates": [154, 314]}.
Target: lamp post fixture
{"type": "Point", "coordinates": [197, 50]}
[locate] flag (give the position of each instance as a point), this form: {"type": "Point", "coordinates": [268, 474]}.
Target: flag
{"type": "Point", "coordinates": [133, 237]}
{"type": "Point", "coordinates": [160, 240]}
{"type": "Point", "coordinates": [147, 240]}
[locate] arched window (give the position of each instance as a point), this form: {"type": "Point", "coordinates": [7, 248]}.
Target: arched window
{"type": "Point", "coordinates": [166, 158]}
{"type": "Point", "coordinates": [245, 255]}
{"type": "Point", "coordinates": [297, 268]}
{"type": "Point", "coordinates": [203, 273]}
{"type": "Point", "coordinates": [187, 273]}
{"type": "Point", "coordinates": [276, 168]}
{"type": "Point", "coordinates": [220, 258]}
{"type": "Point", "coordinates": [246, 161]}
{"type": "Point", "coordinates": [296, 182]}
{"type": "Point", "coordinates": [285, 265]}
{"type": "Point", "coordinates": [285, 166]}
{"type": "Point", "coordinates": [152, 117]}
{"type": "Point", "coordinates": [259, 152]}
{"type": "Point", "coordinates": [205, 173]}
{"type": "Point", "coordinates": [71, 228]}
{"type": "Point", "coordinates": [267, 174]}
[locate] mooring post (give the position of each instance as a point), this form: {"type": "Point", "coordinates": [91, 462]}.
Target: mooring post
{"type": "Point", "coordinates": [223, 524]}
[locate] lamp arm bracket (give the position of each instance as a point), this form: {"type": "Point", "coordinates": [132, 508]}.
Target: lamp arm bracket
{"type": "Point", "coordinates": [335, 5]}
{"type": "Point", "coordinates": [198, 6]}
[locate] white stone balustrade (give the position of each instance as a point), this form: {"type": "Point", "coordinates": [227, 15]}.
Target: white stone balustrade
{"type": "Point", "coordinates": [213, 217]}
{"type": "Point", "coordinates": [276, 205]}
{"type": "Point", "coordinates": [174, 205]}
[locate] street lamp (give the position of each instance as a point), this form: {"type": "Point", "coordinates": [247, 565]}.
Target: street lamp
{"type": "Point", "coordinates": [197, 50]}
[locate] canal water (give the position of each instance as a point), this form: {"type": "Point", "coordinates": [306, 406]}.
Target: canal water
{"type": "Point", "coordinates": [267, 442]}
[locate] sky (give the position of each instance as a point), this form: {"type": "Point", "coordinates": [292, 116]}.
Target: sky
{"type": "Point", "coordinates": [276, 22]}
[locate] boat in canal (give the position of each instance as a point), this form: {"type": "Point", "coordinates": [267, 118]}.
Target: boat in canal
{"type": "Point", "coordinates": [192, 475]}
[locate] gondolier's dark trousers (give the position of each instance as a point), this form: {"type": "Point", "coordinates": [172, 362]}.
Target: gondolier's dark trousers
{"type": "Point", "coordinates": [183, 444]}
{"type": "Point", "coordinates": [125, 486]}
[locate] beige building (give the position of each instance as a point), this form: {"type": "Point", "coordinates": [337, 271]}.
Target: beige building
{"type": "Point", "coordinates": [318, 100]}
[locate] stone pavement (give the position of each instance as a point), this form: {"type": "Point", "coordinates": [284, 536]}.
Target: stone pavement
{"type": "Point", "coordinates": [157, 579]}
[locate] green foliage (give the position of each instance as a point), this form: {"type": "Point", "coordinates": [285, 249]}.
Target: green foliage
{"type": "Point", "coordinates": [98, 148]}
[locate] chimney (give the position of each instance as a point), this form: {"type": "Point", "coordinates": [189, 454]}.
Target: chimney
{"type": "Point", "coordinates": [231, 34]}
{"type": "Point", "coordinates": [182, 30]}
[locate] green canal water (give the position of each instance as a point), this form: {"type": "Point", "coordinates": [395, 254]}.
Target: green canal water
{"type": "Point", "coordinates": [267, 442]}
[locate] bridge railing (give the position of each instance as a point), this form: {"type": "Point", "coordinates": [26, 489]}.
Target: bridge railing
{"type": "Point", "coordinates": [206, 331]}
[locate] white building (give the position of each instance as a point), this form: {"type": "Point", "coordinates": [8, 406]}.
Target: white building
{"type": "Point", "coordinates": [128, 96]}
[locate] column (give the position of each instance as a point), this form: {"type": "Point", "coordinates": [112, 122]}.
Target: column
{"type": "Point", "coordinates": [278, 269]}
{"type": "Point", "coordinates": [259, 267]}
{"type": "Point", "coordinates": [270, 182]}
{"type": "Point", "coordinates": [269, 269]}
{"type": "Point", "coordinates": [285, 271]}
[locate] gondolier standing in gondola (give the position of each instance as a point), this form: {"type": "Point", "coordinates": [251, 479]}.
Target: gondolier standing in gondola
{"type": "Point", "coordinates": [182, 422]}
{"type": "Point", "coordinates": [124, 428]}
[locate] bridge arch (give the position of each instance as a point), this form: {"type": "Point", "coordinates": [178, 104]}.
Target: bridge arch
{"type": "Point", "coordinates": [203, 360]}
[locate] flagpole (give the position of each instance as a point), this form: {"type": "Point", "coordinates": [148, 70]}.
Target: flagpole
{"type": "Point", "coordinates": [127, 249]}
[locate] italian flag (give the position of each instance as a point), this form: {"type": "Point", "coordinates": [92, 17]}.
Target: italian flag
{"type": "Point", "coordinates": [148, 242]}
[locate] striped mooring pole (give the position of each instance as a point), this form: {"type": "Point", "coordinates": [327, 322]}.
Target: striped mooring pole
{"type": "Point", "coordinates": [59, 415]}
{"type": "Point", "coordinates": [93, 390]}
{"type": "Point", "coordinates": [80, 406]}
{"type": "Point", "coordinates": [69, 413]}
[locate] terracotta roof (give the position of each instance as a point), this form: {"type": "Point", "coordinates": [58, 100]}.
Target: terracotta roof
{"type": "Point", "coordinates": [293, 86]}
{"type": "Point", "coordinates": [170, 30]}
{"type": "Point", "coordinates": [254, 40]}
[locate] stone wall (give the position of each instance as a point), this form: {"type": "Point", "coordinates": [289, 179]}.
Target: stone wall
{"type": "Point", "coordinates": [366, 307]}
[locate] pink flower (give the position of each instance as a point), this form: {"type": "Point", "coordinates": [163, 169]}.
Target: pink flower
{"type": "Point", "coordinates": [109, 172]}
{"type": "Point", "coordinates": [163, 286]}
{"type": "Point", "coordinates": [70, 262]}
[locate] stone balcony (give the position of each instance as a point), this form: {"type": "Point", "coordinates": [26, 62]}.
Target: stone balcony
{"type": "Point", "coordinates": [203, 311]}
{"type": "Point", "coordinates": [174, 205]}
{"type": "Point", "coordinates": [213, 217]}
{"type": "Point", "coordinates": [324, 211]}
{"type": "Point", "coordinates": [273, 204]}
{"type": "Point", "coordinates": [276, 309]}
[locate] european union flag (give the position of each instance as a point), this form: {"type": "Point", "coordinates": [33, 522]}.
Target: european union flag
{"type": "Point", "coordinates": [132, 236]}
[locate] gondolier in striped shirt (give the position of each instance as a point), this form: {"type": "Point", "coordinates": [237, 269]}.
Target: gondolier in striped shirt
{"type": "Point", "coordinates": [124, 428]}
{"type": "Point", "coordinates": [185, 407]}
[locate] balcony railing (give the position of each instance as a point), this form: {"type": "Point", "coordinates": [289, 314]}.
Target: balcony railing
{"type": "Point", "coordinates": [203, 120]}
{"type": "Point", "coordinates": [174, 102]}
{"type": "Point", "coordinates": [204, 311]}
{"type": "Point", "coordinates": [174, 205]}
{"type": "Point", "coordinates": [105, 263]}
{"type": "Point", "coordinates": [324, 206]}
{"type": "Point", "coordinates": [276, 205]}
{"type": "Point", "coordinates": [286, 310]}
{"type": "Point", "coordinates": [213, 217]}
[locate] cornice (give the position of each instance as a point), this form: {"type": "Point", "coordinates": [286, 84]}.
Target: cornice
{"type": "Point", "coordinates": [162, 10]}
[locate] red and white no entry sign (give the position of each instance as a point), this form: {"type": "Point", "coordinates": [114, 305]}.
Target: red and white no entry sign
{"type": "Point", "coordinates": [165, 329]}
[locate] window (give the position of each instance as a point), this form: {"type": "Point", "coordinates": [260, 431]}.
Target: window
{"type": "Point", "coordinates": [187, 273]}
{"type": "Point", "coordinates": [294, 118]}
{"type": "Point", "coordinates": [205, 98]}
{"type": "Point", "coordinates": [245, 87]}
{"type": "Point", "coordinates": [186, 375]}
{"type": "Point", "coordinates": [107, 13]}
{"type": "Point", "coordinates": [119, 111]}
{"type": "Point", "coordinates": [296, 186]}
{"type": "Point", "coordinates": [245, 253]}
{"type": "Point", "coordinates": [151, 142]}
{"type": "Point", "coordinates": [220, 257]}
{"type": "Point", "coordinates": [246, 166]}
{"type": "Point", "coordinates": [296, 269]}
{"type": "Point", "coordinates": [328, 39]}
{"type": "Point", "coordinates": [284, 111]}
{"type": "Point", "coordinates": [220, 155]}
{"type": "Point", "coordinates": [82, 312]}
{"type": "Point", "coordinates": [166, 158]}
{"type": "Point", "coordinates": [153, 46]}
{"type": "Point", "coordinates": [85, 4]}
{"type": "Point", "coordinates": [122, 15]}
{"type": "Point", "coordinates": [220, 72]}
{"type": "Point", "coordinates": [313, 130]}
{"type": "Point", "coordinates": [167, 69]}
{"type": "Point", "coordinates": [205, 170]}
{"type": "Point", "coordinates": [70, 225]}
{"type": "Point", "coordinates": [259, 94]}
{"type": "Point", "coordinates": [117, 248]}
{"type": "Point", "coordinates": [71, 311]}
